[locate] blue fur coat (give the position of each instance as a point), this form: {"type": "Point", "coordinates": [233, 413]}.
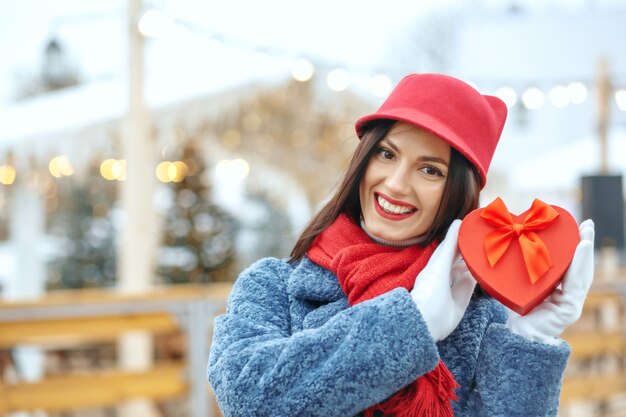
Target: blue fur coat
{"type": "Point", "coordinates": [289, 345]}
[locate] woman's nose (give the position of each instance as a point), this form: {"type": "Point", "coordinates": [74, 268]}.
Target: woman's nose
{"type": "Point", "coordinates": [398, 181]}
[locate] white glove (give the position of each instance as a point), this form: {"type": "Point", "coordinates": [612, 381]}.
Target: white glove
{"type": "Point", "coordinates": [564, 306]}
{"type": "Point", "coordinates": [444, 287]}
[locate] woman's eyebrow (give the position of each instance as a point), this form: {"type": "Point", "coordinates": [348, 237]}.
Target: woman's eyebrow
{"type": "Point", "coordinates": [392, 145]}
{"type": "Point", "coordinates": [433, 159]}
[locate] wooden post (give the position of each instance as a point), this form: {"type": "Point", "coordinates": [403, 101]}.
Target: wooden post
{"type": "Point", "coordinates": [138, 240]}
{"type": "Point", "coordinates": [139, 231]}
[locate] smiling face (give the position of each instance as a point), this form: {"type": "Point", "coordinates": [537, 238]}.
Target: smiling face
{"type": "Point", "coordinates": [403, 183]}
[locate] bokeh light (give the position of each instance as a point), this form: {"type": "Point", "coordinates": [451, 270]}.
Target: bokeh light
{"type": "Point", "coordinates": [7, 174]}
{"type": "Point", "coordinates": [533, 98]}
{"type": "Point", "coordinates": [508, 95]}
{"type": "Point", "coordinates": [236, 169]}
{"type": "Point", "coordinates": [302, 70]}
{"type": "Point", "coordinates": [60, 166]}
{"type": "Point", "coordinates": [559, 96]}
{"type": "Point", "coordinates": [338, 79]}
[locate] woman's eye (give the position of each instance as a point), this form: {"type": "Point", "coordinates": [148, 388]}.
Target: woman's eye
{"type": "Point", "coordinates": [429, 170]}
{"type": "Point", "coordinates": [385, 153]}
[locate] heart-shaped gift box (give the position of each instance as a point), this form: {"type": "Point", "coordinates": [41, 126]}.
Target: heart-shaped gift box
{"type": "Point", "coordinates": [518, 259]}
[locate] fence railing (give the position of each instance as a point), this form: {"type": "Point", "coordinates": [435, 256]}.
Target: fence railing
{"type": "Point", "coordinates": [67, 318]}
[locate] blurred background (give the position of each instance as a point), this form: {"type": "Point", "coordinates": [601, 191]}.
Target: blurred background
{"type": "Point", "coordinates": [151, 150]}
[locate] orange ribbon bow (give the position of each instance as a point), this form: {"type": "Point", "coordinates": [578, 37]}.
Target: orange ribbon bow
{"type": "Point", "coordinates": [535, 252]}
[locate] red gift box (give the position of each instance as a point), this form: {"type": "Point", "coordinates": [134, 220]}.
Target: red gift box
{"type": "Point", "coordinates": [519, 260]}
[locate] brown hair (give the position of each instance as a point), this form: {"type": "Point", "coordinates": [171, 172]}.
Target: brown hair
{"type": "Point", "coordinates": [460, 194]}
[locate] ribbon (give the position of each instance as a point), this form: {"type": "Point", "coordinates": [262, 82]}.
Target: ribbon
{"type": "Point", "coordinates": [535, 252]}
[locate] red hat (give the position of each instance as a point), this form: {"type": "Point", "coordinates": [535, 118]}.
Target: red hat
{"type": "Point", "coordinates": [451, 109]}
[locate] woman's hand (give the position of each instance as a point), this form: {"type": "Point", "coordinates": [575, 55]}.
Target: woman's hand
{"type": "Point", "coordinates": [443, 289]}
{"type": "Point", "coordinates": [564, 306]}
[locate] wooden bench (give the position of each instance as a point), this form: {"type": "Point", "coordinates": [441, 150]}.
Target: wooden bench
{"type": "Point", "coordinates": [67, 318]}
{"type": "Point", "coordinates": [68, 392]}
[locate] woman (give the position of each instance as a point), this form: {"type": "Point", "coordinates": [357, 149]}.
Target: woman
{"type": "Point", "coordinates": [375, 313]}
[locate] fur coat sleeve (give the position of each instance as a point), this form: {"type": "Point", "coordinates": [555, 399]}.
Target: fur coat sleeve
{"type": "Point", "coordinates": [289, 345]}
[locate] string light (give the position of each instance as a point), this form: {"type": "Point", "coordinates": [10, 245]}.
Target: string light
{"type": "Point", "coordinates": [508, 95]}
{"type": "Point", "coordinates": [302, 70]}
{"type": "Point", "coordinates": [113, 169]}
{"type": "Point", "coordinates": [157, 23]}
{"type": "Point", "coordinates": [559, 96]}
{"type": "Point", "coordinates": [168, 171]}
{"type": "Point", "coordinates": [237, 169]}
{"type": "Point", "coordinates": [180, 171]}
{"type": "Point", "coordinates": [60, 166]}
{"type": "Point", "coordinates": [162, 171]}
{"type": "Point", "coordinates": [338, 79]}
{"type": "Point", "coordinates": [119, 169]}
{"type": "Point", "coordinates": [533, 98]}
{"type": "Point", "coordinates": [577, 92]}
{"type": "Point", "coordinates": [7, 174]}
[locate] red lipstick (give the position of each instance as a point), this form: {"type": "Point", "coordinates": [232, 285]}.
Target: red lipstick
{"type": "Point", "coordinates": [392, 216]}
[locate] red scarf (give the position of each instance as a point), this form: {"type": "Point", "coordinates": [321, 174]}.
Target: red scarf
{"type": "Point", "coordinates": [366, 269]}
